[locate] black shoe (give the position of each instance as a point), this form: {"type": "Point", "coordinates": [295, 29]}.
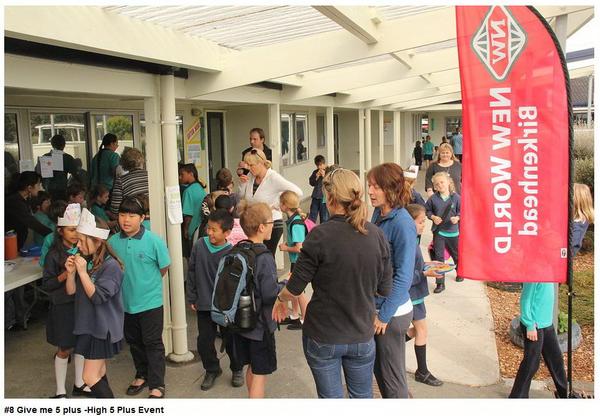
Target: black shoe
{"type": "Point", "coordinates": [428, 379]}
{"type": "Point", "coordinates": [459, 279]}
{"type": "Point", "coordinates": [162, 394]}
{"type": "Point", "coordinates": [58, 396]}
{"type": "Point", "coordinates": [295, 324]}
{"type": "Point", "coordinates": [209, 380]}
{"type": "Point", "coordinates": [237, 378]}
{"type": "Point", "coordinates": [286, 321]}
{"type": "Point", "coordinates": [440, 287]}
{"type": "Point", "coordinates": [79, 391]}
{"type": "Point", "coordinates": [134, 390]}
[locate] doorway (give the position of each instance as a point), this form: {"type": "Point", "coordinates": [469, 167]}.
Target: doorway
{"type": "Point", "coordinates": [216, 145]}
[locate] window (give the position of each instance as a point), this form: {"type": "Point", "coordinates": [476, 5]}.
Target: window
{"type": "Point", "coordinates": [294, 138]}
{"type": "Point", "coordinates": [120, 125]}
{"type": "Point", "coordinates": [452, 123]}
{"type": "Point", "coordinates": [179, 130]}
{"type": "Point", "coordinates": [11, 147]}
{"type": "Point", "coordinates": [71, 126]}
{"type": "Point", "coordinates": [321, 130]}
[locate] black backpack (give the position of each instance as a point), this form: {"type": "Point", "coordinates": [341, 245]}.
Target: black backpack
{"type": "Point", "coordinates": [233, 305]}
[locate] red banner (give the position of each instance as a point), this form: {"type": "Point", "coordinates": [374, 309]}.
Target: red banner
{"type": "Point", "coordinates": [515, 178]}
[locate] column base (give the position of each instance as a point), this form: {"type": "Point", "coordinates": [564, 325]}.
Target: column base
{"type": "Point", "coordinates": [181, 358]}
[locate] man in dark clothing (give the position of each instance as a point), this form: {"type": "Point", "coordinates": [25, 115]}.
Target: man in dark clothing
{"type": "Point", "coordinates": [317, 205]}
{"type": "Point", "coordinates": [257, 141]}
{"type": "Point", "coordinates": [57, 185]}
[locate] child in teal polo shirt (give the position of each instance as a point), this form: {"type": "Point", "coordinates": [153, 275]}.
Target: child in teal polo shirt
{"type": "Point", "coordinates": [296, 234]}
{"type": "Point", "coordinates": [191, 202]}
{"type": "Point", "coordinates": [539, 338]}
{"type": "Point", "coordinates": [146, 259]}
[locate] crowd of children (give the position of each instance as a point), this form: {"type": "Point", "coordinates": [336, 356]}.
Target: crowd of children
{"type": "Point", "coordinates": [105, 277]}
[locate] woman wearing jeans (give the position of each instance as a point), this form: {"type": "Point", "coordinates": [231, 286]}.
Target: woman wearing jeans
{"type": "Point", "coordinates": [347, 260]}
{"type": "Point", "coordinates": [395, 311]}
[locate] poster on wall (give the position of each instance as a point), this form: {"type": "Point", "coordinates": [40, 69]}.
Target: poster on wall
{"type": "Point", "coordinates": [193, 143]}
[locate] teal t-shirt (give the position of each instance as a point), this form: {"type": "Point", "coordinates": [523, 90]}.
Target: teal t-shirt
{"type": "Point", "coordinates": [192, 205]}
{"type": "Point", "coordinates": [48, 240]}
{"type": "Point", "coordinates": [428, 148]}
{"type": "Point", "coordinates": [106, 174]}
{"type": "Point", "coordinates": [38, 239]}
{"type": "Point", "coordinates": [296, 233]}
{"type": "Point", "coordinates": [146, 224]}
{"type": "Point", "coordinates": [143, 255]}
{"type": "Point", "coordinates": [215, 249]}
{"type": "Point", "coordinates": [98, 211]}
{"type": "Point", "coordinates": [537, 305]}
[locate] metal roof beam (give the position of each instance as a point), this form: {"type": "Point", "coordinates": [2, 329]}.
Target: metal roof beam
{"type": "Point", "coordinates": [358, 20]}
{"type": "Point", "coordinates": [418, 103]}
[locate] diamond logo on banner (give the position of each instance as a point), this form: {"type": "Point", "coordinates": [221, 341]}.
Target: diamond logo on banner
{"type": "Point", "coordinates": [498, 42]}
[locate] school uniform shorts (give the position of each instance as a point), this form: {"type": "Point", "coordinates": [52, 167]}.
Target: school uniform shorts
{"type": "Point", "coordinates": [260, 355]}
{"type": "Point", "coordinates": [419, 311]}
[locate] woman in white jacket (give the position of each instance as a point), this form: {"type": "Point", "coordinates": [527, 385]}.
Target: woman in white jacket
{"type": "Point", "coordinates": [265, 185]}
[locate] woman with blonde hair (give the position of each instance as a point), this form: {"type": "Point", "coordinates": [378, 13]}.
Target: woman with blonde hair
{"type": "Point", "coordinates": [583, 214]}
{"type": "Point", "coordinates": [265, 185]}
{"type": "Point", "coordinates": [445, 162]}
{"type": "Point", "coordinates": [347, 261]}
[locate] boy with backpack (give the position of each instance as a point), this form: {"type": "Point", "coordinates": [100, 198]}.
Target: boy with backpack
{"type": "Point", "coordinates": [204, 259]}
{"type": "Point", "coordinates": [246, 288]}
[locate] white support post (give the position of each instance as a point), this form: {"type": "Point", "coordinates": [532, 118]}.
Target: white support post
{"type": "Point", "coordinates": [274, 137]}
{"type": "Point", "coordinates": [361, 145]}
{"type": "Point", "coordinates": [397, 136]}
{"type": "Point", "coordinates": [330, 136]}
{"type": "Point", "coordinates": [368, 161]}
{"type": "Point", "coordinates": [156, 186]}
{"type": "Point", "coordinates": [176, 277]}
{"type": "Point", "coordinates": [381, 137]}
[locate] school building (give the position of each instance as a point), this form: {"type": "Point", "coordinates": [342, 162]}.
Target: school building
{"type": "Point", "coordinates": [359, 85]}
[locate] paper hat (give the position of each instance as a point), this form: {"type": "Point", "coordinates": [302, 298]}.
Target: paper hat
{"type": "Point", "coordinates": [71, 216]}
{"type": "Point", "coordinates": [414, 168]}
{"type": "Point", "coordinates": [87, 226]}
{"type": "Point", "coordinates": [410, 174]}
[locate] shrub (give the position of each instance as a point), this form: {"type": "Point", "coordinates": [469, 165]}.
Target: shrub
{"type": "Point", "coordinates": [584, 172]}
{"type": "Point", "coordinates": [583, 144]}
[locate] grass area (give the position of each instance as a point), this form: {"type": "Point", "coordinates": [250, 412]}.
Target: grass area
{"type": "Point", "coordinates": [583, 301]}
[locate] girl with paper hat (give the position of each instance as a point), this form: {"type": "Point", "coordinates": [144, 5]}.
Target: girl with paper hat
{"type": "Point", "coordinates": [98, 305]}
{"type": "Point", "coordinates": [61, 317]}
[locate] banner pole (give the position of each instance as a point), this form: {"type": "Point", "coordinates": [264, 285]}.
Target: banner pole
{"type": "Point", "coordinates": [569, 276]}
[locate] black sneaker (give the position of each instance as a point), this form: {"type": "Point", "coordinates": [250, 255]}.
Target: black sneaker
{"type": "Point", "coordinates": [237, 378]}
{"type": "Point", "coordinates": [209, 380]}
{"type": "Point", "coordinates": [79, 391]}
{"type": "Point", "coordinates": [440, 287]}
{"type": "Point", "coordinates": [58, 396]}
{"type": "Point", "coordinates": [428, 379]}
{"type": "Point", "coordinates": [295, 324]}
{"type": "Point", "coordinates": [459, 279]}
{"type": "Point", "coordinates": [286, 321]}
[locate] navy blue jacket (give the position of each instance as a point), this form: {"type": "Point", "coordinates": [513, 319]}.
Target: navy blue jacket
{"type": "Point", "coordinates": [416, 198]}
{"type": "Point", "coordinates": [435, 206]}
{"type": "Point", "coordinates": [577, 234]}
{"type": "Point", "coordinates": [401, 233]}
{"type": "Point", "coordinates": [419, 288]}
{"type": "Point", "coordinates": [317, 192]}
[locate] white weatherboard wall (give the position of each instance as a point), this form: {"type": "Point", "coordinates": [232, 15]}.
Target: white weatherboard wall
{"type": "Point", "coordinates": [348, 134]}
{"type": "Point", "coordinates": [240, 120]}
{"type": "Point", "coordinates": [439, 124]}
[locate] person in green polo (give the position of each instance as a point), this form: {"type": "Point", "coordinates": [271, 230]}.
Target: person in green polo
{"type": "Point", "coordinates": [191, 202]}
{"type": "Point", "coordinates": [104, 164]}
{"type": "Point", "coordinates": [146, 260]}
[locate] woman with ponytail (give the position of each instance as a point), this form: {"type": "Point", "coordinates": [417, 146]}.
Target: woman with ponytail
{"type": "Point", "coordinates": [191, 202]}
{"type": "Point", "coordinates": [388, 194]}
{"type": "Point", "coordinates": [104, 164]}
{"type": "Point", "coordinates": [347, 261]}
